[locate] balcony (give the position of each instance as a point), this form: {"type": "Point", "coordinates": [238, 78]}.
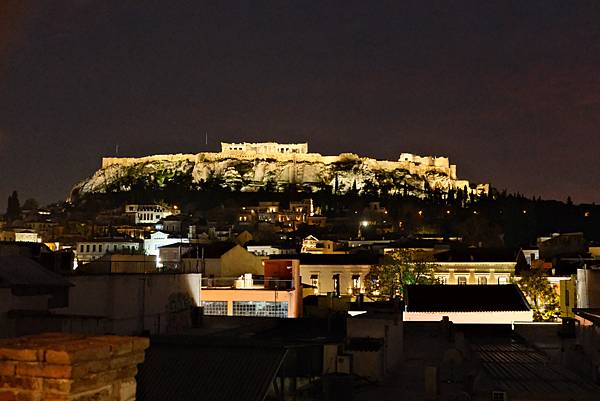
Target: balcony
{"type": "Point", "coordinates": [247, 282]}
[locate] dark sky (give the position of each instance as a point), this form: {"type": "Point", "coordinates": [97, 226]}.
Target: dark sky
{"type": "Point", "coordinates": [510, 91]}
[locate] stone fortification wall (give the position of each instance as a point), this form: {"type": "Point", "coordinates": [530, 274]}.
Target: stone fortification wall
{"type": "Point", "coordinates": [130, 161]}
{"type": "Point", "coordinates": [413, 167]}
{"type": "Point", "coordinates": [254, 170]}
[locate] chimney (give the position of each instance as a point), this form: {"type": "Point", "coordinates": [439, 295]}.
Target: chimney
{"type": "Point", "coordinates": [58, 366]}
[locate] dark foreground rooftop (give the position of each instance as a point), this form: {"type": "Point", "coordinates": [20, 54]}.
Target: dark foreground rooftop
{"type": "Point", "coordinates": [173, 372]}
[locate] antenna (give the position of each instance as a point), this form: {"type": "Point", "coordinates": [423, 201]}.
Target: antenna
{"type": "Point", "coordinates": [206, 138]}
{"type": "Point", "coordinates": [117, 149]}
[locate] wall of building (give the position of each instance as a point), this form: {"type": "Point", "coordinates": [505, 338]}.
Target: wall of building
{"type": "Point", "coordinates": [493, 273]}
{"type": "Point", "coordinates": [470, 317]}
{"type": "Point", "coordinates": [588, 288]}
{"type": "Point", "coordinates": [9, 302]}
{"type": "Point", "coordinates": [132, 302]}
{"type": "Point", "coordinates": [238, 261]}
{"type": "Point", "coordinates": [390, 331]}
{"type": "Point", "coordinates": [256, 295]}
{"type": "Point", "coordinates": [326, 272]}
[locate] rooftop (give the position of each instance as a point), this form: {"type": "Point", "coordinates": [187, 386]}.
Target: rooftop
{"type": "Point", "coordinates": [20, 271]}
{"type": "Point", "coordinates": [465, 298]}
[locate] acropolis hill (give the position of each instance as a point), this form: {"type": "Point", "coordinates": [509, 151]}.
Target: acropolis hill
{"type": "Point", "coordinates": [274, 166]}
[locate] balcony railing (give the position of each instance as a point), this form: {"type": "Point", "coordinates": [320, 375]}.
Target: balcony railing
{"type": "Point", "coordinates": [248, 283]}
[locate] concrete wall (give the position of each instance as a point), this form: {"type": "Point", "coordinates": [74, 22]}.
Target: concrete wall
{"type": "Point", "coordinates": [9, 302]}
{"type": "Point", "coordinates": [470, 317]}
{"type": "Point", "coordinates": [588, 288]}
{"type": "Point", "coordinates": [238, 261]}
{"type": "Point", "coordinates": [132, 302]}
{"type": "Point", "coordinates": [391, 331]}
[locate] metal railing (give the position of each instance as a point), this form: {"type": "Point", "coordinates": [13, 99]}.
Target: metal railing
{"type": "Point", "coordinates": [247, 282]}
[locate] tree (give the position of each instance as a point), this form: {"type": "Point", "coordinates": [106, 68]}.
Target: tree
{"type": "Point", "coordinates": [399, 269]}
{"type": "Point", "coordinates": [30, 204]}
{"type": "Point", "coordinates": [542, 297]}
{"type": "Point", "coordinates": [13, 207]}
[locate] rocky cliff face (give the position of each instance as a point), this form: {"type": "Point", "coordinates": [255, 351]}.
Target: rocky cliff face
{"type": "Point", "coordinates": [252, 172]}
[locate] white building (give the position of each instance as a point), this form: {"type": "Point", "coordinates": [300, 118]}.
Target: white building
{"type": "Point", "coordinates": [159, 239]}
{"type": "Point", "coordinates": [87, 251]}
{"type": "Point", "coordinates": [267, 250]}
{"type": "Point", "coordinates": [150, 214]}
{"type": "Point", "coordinates": [20, 235]}
{"type": "Point", "coordinates": [467, 304]}
{"type": "Point", "coordinates": [264, 147]}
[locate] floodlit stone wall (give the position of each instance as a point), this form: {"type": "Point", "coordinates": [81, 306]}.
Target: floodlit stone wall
{"type": "Point", "coordinates": [282, 164]}
{"type": "Point", "coordinates": [68, 367]}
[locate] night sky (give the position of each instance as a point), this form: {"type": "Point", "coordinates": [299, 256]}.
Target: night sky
{"type": "Point", "coordinates": [509, 91]}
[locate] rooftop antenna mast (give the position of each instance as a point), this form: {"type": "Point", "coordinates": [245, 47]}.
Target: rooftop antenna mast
{"type": "Point", "coordinates": [117, 149]}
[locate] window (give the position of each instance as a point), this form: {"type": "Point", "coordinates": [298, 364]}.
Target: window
{"type": "Point", "coordinates": [100, 248]}
{"type": "Point", "coordinates": [356, 282]}
{"type": "Point", "coordinates": [94, 248]}
{"type": "Point", "coordinates": [214, 308]}
{"type": "Point", "coordinates": [462, 280]}
{"type": "Point", "coordinates": [336, 284]}
{"type": "Point", "coordinates": [443, 280]}
{"type": "Point", "coordinates": [260, 308]}
{"type": "Point", "coordinates": [502, 280]}
{"type": "Point", "coordinates": [314, 281]}
{"type": "Point", "coordinates": [80, 248]}
{"type": "Point", "coordinates": [482, 280]}
{"type": "Point", "coordinates": [87, 248]}
{"type": "Point", "coordinates": [498, 396]}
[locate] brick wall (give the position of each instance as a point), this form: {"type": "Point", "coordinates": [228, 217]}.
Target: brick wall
{"type": "Point", "coordinates": [61, 367]}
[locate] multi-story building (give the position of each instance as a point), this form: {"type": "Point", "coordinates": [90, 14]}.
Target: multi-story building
{"type": "Point", "coordinates": [278, 293]}
{"type": "Point", "coordinates": [475, 266]}
{"type": "Point", "coordinates": [20, 235]}
{"type": "Point", "coordinates": [150, 214]}
{"type": "Point", "coordinates": [86, 251]}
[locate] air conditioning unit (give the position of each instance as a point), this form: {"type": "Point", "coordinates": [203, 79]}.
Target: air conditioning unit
{"type": "Point", "coordinates": [344, 364]}
{"type": "Point", "coordinates": [499, 396]}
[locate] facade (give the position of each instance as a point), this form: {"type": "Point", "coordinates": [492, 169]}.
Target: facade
{"type": "Point", "coordinates": [268, 250]}
{"type": "Point", "coordinates": [130, 303]}
{"type": "Point", "coordinates": [471, 304]}
{"type": "Point", "coordinates": [20, 235]}
{"type": "Point", "coordinates": [86, 251]}
{"type": "Point", "coordinates": [264, 147]}
{"type": "Point", "coordinates": [277, 294]}
{"type": "Point", "coordinates": [158, 239]}
{"type": "Point", "coordinates": [474, 266]}
{"type": "Point", "coordinates": [149, 214]}
{"type": "Point", "coordinates": [336, 274]}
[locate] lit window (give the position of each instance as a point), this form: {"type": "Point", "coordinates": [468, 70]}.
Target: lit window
{"type": "Point", "coordinates": [502, 280]}
{"type": "Point", "coordinates": [336, 284]}
{"type": "Point", "coordinates": [462, 280]}
{"type": "Point", "coordinates": [482, 280]}
{"type": "Point", "coordinates": [314, 281]}
{"type": "Point", "coordinates": [214, 308]}
{"type": "Point", "coordinates": [356, 282]}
